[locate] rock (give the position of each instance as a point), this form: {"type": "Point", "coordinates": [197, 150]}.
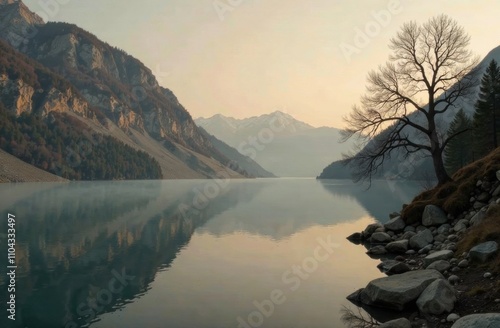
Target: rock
{"type": "Point", "coordinates": [477, 218]}
{"type": "Point", "coordinates": [487, 275]}
{"type": "Point", "coordinates": [380, 238]}
{"type": "Point", "coordinates": [478, 205]}
{"type": "Point", "coordinates": [483, 197]}
{"type": "Point", "coordinates": [451, 247]}
{"type": "Point", "coordinates": [425, 250]}
{"type": "Point", "coordinates": [420, 228]}
{"type": "Point", "coordinates": [439, 297]}
{"type": "Point", "coordinates": [463, 264]}
{"type": "Point", "coordinates": [421, 239]}
{"type": "Point", "coordinates": [498, 175]}
{"type": "Point", "coordinates": [412, 262]}
{"type": "Point", "coordinates": [397, 247]}
{"type": "Point", "coordinates": [433, 215]}
{"type": "Point", "coordinates": [444, 229]}
{"type": "Point", "coordinates": [496, 192]}
{"type": "Point", "coordinates": [393, 215]}
{"type": "Point", "coordinates": [377, 250]}
{"type": "Point", "coordinates": [409, 228]}
{"type": "Point", "coordinates": [370, 229]}
{"type": "Point", "coordinates": [453, 238]}
{"type": "Point", "coordinates": [461, 225]}
{"type": "Point", "coordinates": [356, 237]}
{"type": "Point", "coordinates": [436, 256]}
{"type": "Point", "coordinates": [453, 279]}
{"type": "Point", "coordinates": [398, 291]}
{"type": "Point", "coordinates": [400, 258]}
{"type": "Point", "coordinates": [485, 320]}
{"type": "Point", "coordinates": [410, 252]}
{"type": "Point", "coordinates": [395, 224]}
{"type": "Point", "coordinates": [439, 238]}
{"type": "Point", "coordinates": [408, 235]}
{"type": "Point", "coordinates": [452, 317]}
{"type": "Point", "coordinates": [398, 323]}
{"type": "Point", "coordinates": [440, 265]}
{"type": "Point", "coordinates": [483, 252]}
{"type": "Point", "coordinates": [355, 297]}
{"type": "Point", "coordinates": [393, 267]}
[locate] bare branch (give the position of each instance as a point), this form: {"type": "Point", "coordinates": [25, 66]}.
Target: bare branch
{"type": "Point", "coordinates": [429, 62]}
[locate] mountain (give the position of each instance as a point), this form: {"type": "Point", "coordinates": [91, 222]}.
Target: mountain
{"type": "Point", "coordinates": [243, 162]}
{"type": "Point", "coordinates": [108, 92]}
{"type": "Point", "coordinates": [278, 142]}
{"type": "Point", "coordinates": [419, 166]}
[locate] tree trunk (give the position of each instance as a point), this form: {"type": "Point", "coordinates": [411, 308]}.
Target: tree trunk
{"type": "Point", "coordinates": [439, 169]}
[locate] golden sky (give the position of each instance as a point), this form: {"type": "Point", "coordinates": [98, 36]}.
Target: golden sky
{"type": "Point", "coordinates": [243, 58]}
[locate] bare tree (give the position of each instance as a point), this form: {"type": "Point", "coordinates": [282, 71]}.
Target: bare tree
{"type": "Point", "coordinates": [430, 64]}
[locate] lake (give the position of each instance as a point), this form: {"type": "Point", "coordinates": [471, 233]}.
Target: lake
{"type": "Point", "coordinates": [190, 253]}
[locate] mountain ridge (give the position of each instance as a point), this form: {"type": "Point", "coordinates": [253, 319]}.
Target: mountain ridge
{"type": "Point", "coordinates": [278, 142]}
{"type": "Point", "coordinates": [125, 97]}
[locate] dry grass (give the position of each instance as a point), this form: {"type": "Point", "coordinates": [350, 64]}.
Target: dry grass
{"type": "Point", "coordinates": [488, 230]}
{"type": "Point", "coordinates": [454, 196]}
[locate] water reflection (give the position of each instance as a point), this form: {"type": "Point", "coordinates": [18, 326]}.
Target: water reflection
{"type": "Point", "coordinates": [383, 197]}
{"type": "Point", "coordinates": [156, 253]}
{"type": "Point", "coordinates": [73, 238]}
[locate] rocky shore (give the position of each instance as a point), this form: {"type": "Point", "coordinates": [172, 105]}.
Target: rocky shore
{"type": "Point", "coordinates": [442, 269]}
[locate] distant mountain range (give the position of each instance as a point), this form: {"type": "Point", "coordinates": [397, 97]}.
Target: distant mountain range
{"type": "Point", "coordinates": [280, 143]}
{"type": "Point", "coordinates": [67, 77]}
{"type": "Point", "coordinates": [421, 168]}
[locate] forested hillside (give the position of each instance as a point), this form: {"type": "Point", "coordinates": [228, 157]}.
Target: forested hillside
{"type": "Point", "coordinates": [64, 147]}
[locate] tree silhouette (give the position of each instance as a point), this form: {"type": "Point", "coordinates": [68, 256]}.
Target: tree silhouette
{"type": "Point", "coordinates": [431, 64]}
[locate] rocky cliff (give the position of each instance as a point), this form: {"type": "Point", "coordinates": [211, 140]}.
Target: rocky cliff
{"type": "Point", "coordinates": [106, 88]}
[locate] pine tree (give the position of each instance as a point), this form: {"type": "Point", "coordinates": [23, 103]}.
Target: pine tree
{"type": "Point", "coordinates": [458, 151]}
{"type": "Point", "coordinates": [487, 114]}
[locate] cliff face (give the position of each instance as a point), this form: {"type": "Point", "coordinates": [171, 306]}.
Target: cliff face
{"type": "Point", "coordinates": [101, 83]}
{"type": "Point", "coordinates": [119, 85]}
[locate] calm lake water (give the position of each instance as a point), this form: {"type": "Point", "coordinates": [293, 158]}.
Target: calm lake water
{"type": "Point", "coordinates": [264, 252]}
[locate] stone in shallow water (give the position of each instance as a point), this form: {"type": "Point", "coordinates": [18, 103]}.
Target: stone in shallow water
{"type": "Point", "coordinates": [398, 291]}
{"type": "Point", "coordinates": [380, 238]}
{"type": "Point", "coordinates": [377, 250]}
{"type": "Point", "coordinates": [393, 267]}
{"type": "Point", "coordinates": [397, 247]}
{"type": "Point", "coordinates": [398, 323]}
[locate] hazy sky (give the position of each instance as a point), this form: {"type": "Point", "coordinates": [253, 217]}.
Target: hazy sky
{"type": "Point", "coordinates": [243, 58]}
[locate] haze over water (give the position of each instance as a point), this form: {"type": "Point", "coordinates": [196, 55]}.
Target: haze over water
{"type": "Point", "coordinates": [141, 254]}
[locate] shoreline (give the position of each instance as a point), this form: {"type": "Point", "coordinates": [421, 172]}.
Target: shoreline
{"type": "Point", "coordinates": [455, 281]}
